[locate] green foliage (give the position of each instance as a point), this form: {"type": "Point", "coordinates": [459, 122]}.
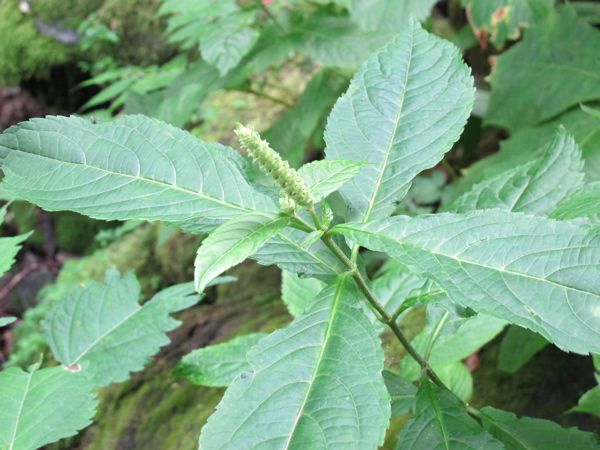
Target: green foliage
{"type": "Point", "coordinates": [533, 434]}
{"type": "Point", "coordinates": [319, 382]}
{"type": "Point", "coordinates": [9, 246]}
{"type": "Point", "coordinates": [41, 406]}
{"type": "Point", "coordinates": [402, 132]}
{"type": "Point", "coordinates": [218, 365]}
{"type": "Point", "coordinates": [440, 421]}
{"type": "Point", "coordinates": [563, 47]}
{"type": "Point", "coordinates": [323, 368]}
{"type": "Point", "coordinates": [468, 256]}
{"type": "Point", "coordinates": [503, 20]}
{"type": "Point", "coordinates": [125, 334]}
{"type": "Point", "coordinates": [29, 53]}
{"type": "Point", "coordinates": [518, 347]}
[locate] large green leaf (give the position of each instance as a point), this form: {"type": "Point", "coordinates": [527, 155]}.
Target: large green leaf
{"type": "Point", "coordinates": [585, 203]}
{"type": "Point", "coordinates": [503, 20]}
{"type": "Point", "coordinates": [315, 384]}
{"type": "Point", "coordinates": [404, 109]}
{"type": "Point", "coordinates": [388, 15]}
{"type": "Point", "coordinates": [9, 246]}
{"type": "Point", "coordinates": [132, 168]}
{"type": "Point", "coordinates": [218, 365]}
{"type": "Point", "coordinates": [102, 328]}
{"type": "Point", "coordinates": [536, 187]}
{"type": "Point", "coordinates": [42, 406]}
{"type": "Point", "coordinates": [509, 265]}
{"type": "Point", "coordinates": [232, 243]}
{"type": "Point", "coordinates": [291, 134]}
{"type": "Point", "coordinates": [442, 422]}
{"type": "Point", "coordinates": [327, 176]}
{"type": "Point", "coordinates": [299, 294]}
{"type": "Point", "coordinates": [563, 48]}
{"type": "Point", "coordinates": [527, 433]}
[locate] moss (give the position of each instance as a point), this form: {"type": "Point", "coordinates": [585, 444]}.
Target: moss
{"type": "Point", "coordinates": [140, 30]}
{"type": "Point", "coordinates": [24, 53]}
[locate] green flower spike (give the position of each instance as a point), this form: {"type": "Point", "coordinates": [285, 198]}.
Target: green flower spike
{"type": "Point", "coordinates": [292, 184]}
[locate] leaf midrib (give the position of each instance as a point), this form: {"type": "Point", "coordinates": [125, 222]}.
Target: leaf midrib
{"type": "Point", "coordinates": [20, 411]}
{"type": "Point", "coordinates": [331, 320]}
{"type": "Point", "coordinates": [394, 132]}
{"type": "Point", "coordinates": [136, 178]}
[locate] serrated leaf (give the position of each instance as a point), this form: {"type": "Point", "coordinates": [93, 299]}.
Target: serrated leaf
{"type": "Point", "coordinates": [327, 176]}
{"type": "Point", "coordinates": [9, 246]}
{"type": "Point", "coordinates": [299, 294]}
{"type": "Point", "coordinates": [218, 365]}
{"type": "Point", "coordinates": [233, 242]}
{"type": "Point", "coordinates": [287, 251]}
{"type": "Point", "coordinates": [585, 203]}
{"type": "Point", "coordinates": [388, 15]}
{"type": "Point", "coordinates": [119, 335]}
{"type": "Point", "coordinates": [228, 41]}
{"type": "Point", "coordinates": [518, 346]}
{"type": "Point", "coordinates": [553, 47]}
{"type": "Point", "coordinates": [315, 378]}
{"type": "Point", "coordinates": [402, 392]}
{"type": "Point", "coordinates": [7, 320]}
{"type": "Point", "coordinates": [441, 422]}
{"type": "Point", "coordinates": [536, 187]}
{"type": "Point", "coordinates": [528, 144]}
{"type": "Point", "coordinates": [42, 406]}
{"type": "Point", "coordinates": [291, 134]}
{"type": "Point", "coordinates": [132, 168]}
{"type": "Point", "coordinates": [528, 433]}
{"type": "Point", "coordinates": [509, 265]}
{"type": "Point", "coordinates": [404, 109]}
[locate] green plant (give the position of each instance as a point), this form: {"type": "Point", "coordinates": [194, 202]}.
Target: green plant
{"type": "Point", "coordinates": [500, 254]}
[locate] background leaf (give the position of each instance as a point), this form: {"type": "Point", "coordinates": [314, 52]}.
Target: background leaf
{"type": "Point", "coordinates": [536, 187]}
{"type": "Point", "coordinates": [563, 48]}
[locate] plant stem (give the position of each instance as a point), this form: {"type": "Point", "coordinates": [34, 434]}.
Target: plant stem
{"type": "Point", "coordinates": [378, 308]}
{"type": "Point", "coordinates": [269, 14]}
{"type": "Point", "coordinates": [269, 97]}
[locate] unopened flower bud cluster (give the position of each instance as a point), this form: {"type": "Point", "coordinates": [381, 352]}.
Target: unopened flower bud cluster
{"type": "Point", "coordinates": [292, 184]}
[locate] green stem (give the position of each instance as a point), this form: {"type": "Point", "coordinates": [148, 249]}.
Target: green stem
{"type": "Point", "coordinates": [435, 333]}
{"type": "Point", "coordinates": [269, 97]}
{"type": "Point", "coordinates": [270, 15]}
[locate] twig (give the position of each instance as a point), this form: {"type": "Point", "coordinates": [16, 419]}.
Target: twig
{"type": "Point", "coordinates": [17, 278]}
